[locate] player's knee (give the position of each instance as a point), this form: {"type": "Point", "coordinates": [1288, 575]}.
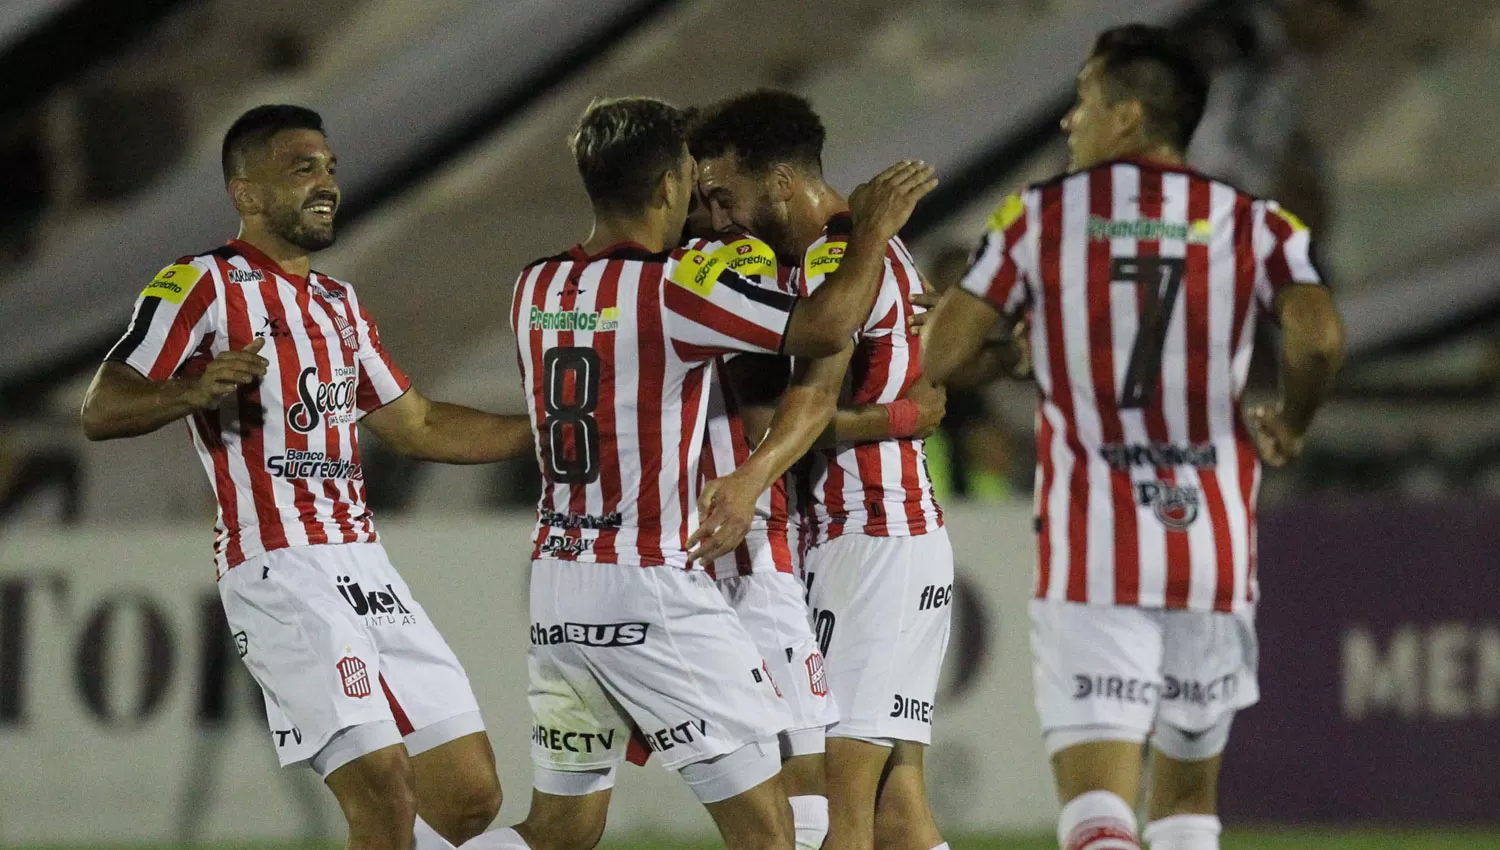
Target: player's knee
{"type": "Point", "coordinates": [379, 797]}
{"type": "Point", "coordinates": [475, 805]}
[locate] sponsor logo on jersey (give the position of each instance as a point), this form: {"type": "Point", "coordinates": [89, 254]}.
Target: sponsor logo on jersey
{"type": "Point", "coordinates": [1287, 216]}
{"type": "Point", "coordinates": [1201, 693]}
{"type": "Point", "coordinates": [173, 283]}
{"type": "Point", "coordinates": [282, 734]}
{"type": "Point", "coordinates": [683, 733]}
{"type": "Point", "coordinates": [1123, 456]}
{"type": "Point", "coordinates": [246, 276]}
{"type": "Point", "coordinates": [562, 741]}
{"type": "Point", "coordinates": [748, 258]}
{"type": "Point", "coordinates": [298, 464]}
{"type": "Point", "coordinates": [697, 271]}
{"type": "Point", "coordinates": [589, 634]}
{"type": "Point", "coordinates": [1198, 232]}
{"type": "Point", "coordinates": [1137, 691]}
{"type": "Point", "coordinates": [907, 708]}
{"type": "Point", "coordinates": [326, 403]}
{"type": "Point", "coordinates": [272, 328]}
{"type": "Point", "coordinates": [817, 679]}
{"type": "Point", "coordinates": [558, 519]}
{"type": "Point", "coordinates": [1009, 211]}
{"type": "Point", "coordinates": [935, 596]}
{"type": "Point", "coordinates": [355, 677]}
{"type": "Point", "coordinates": [378, 607]}
{"type": "Point", "coordinates": [325, 294]}
{"type": "Point", "coordinates": [824, 259]}
{"type": "Point", "coordinates": [603, 321]}
{"type": "Point", "coordinates": [1175, 506]}
{"type": "Point", "coordinates": [558, 544]}
{"type": "Point", "coordinates": [242, 643]}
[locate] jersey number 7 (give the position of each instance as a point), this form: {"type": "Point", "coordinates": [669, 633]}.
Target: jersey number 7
{"type": "Point", "coordinates": [1160, 279]}
{"type": "Point", "coordinates": [570, 444]}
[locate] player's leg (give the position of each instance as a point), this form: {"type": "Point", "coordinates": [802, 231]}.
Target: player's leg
{"type": "Point", "coordinates": [883, 608]}
{"type": "Point", "coordinates": [742, 792]}
{"type": "Point", "coordinates": [903, 816]}
{"type": "Point", "coordinates": [433, 704]}
{"type": "Point", "coordinates": [1096, 673]}
{"type": "Point", "coordinates": [771, 607]}
{"type": "Point", "coordinates": [377, 794]}
{"type": "Point", "coordinates": [1210, 672]}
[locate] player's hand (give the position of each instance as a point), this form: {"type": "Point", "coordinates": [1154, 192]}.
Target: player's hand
{"type": "Point", "coordinates": [927, 300]}
{"type": "Point", "coordinates": [881, 207]}
{"type": "Point", "coordinates": [1020, 340]}
{"type": "Point", "coordinates": [932, 406]}
{"type": "Point", "coordinates": [726, 507]}
{"type": "Point", "coordinates": [226, 374]}
{"type": "Point", "coordinates": [1278, 443]}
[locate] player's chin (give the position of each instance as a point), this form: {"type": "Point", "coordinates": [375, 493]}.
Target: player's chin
{"type": "Point", "coordinates": [316, 236]}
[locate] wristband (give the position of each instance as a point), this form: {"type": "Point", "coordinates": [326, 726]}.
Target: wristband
{"type": "Point", "coordinates": [903, 415]}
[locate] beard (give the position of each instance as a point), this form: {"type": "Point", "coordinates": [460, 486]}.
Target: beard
{"type": "Point", "coordinates": [290, 223]}
{"type": "Point", "coordinates": [774, 230]}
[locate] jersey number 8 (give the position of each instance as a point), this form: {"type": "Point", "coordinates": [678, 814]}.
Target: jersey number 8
{"type": "Point", "coordinates": [570, 444]}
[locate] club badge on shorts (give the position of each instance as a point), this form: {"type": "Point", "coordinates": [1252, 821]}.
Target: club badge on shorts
{"type": "Point", "coordinates": [817, 680]}
{"type": "Point", "coordinates": [356, 677]}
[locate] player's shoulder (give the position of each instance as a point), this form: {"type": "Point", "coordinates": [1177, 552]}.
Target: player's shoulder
{"type": "Point", "coordinates": [182, 276]}
{"type": "Point", "coordinates": [746, 256]}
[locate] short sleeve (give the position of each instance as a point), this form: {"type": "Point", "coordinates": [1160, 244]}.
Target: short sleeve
{"type": "Point", "coordinates": [381, 381]}
{"type": "Point", "coordinates": [821, 260]}
{"type": "Point", "coordinates": [171, 319]}
{"type": "Point", "coordinates": [1285, 252]}
{"type": "Point", "coordinates": [711, 310]}
{"type": "Point", "coordinates": [996, 274]}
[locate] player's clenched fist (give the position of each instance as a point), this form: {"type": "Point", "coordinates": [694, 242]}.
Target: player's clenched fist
{"type": "Point", "coordinates": [227, 373]}
{"type": "Point", "coordinates": [881, 207]}
{"type": "Point", "coordinates": [1277, 441]}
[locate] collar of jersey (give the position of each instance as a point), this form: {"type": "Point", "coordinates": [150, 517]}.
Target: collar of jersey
{"type": "Point", "coordinates": [839, 224]}
{"type": "Point", "coordinates": [617, 251]}
{"type": "Point", "coordinates": [258, 257]}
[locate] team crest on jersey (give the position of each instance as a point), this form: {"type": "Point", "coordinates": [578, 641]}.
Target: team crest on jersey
{"type": "Point", "coordinates": [173, 283]}
{"type": "Point", "coordinates": [817, 679]}
{"type": "Point", "coordinates": [697, 271]}
{"type": "Point", "coordinates": [1175, 506]}
{"type": "Point", "coordinates": [347, 336]}
{"type": "Point", "coordinates": [355, 676]}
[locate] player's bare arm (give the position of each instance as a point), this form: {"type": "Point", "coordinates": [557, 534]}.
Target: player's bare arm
{"type": "Point", "coordinates": [1312, 352]}
{"type": "Point", "coordinates": [824, 321]}
{"type": "Point", "coordinates": [954, 340]}
{"type": "Point", "coordinates": [916, 415]}
{"type": "Point", "coordinates": [1006, 352]}
{"type": "Point", "coordinates": [449, 433]}
{"type": "Point", "coordinates": [726, 505]}
{"type": "Point", "coordinates": [122, 402]}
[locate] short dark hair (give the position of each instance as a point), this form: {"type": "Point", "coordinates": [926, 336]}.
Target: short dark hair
{"type": "Point", "coordinates": [763, 128]}
{"type": "Point", "coordinates": [623, 146]}
{"type": "Point", "coordinates": [257, 126]}
{"type": "Point", "coordinates": [1153, 66]}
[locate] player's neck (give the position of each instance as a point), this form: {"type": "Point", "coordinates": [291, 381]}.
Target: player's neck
{"type": "Point", "coordinates": [821, 202]}
{"type": "Point", "coordinates": [613, 230]}
{"type": "Point", "coordinates": [292, 259]}
{"type": "Point", "coordinates": [1162, 153]}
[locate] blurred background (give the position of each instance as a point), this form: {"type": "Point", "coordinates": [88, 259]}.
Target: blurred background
{"type": "Point", "coordinates": [124, 716]}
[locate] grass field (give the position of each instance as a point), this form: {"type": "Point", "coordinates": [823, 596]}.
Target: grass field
{"type": "Point", "coordinates": [1289, 839]}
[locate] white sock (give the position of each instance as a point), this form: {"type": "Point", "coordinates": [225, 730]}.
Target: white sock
{"type": "Point", "coordinates": [503, 838]}
{"type": "Point", "coordinates": [810, 816]}
{"type": "Point", "coordinates": [943, 846]}
{"type": "Point", "coordinates": [1097, 820]}
{"type": "Point", "coordinates": [424, 837]}
{"type": "Point", "coordinates": [1184, 832]}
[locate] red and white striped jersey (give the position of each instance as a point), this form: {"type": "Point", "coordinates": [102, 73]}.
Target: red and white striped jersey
{"type": "Point", "coordinates": [1144, 283]}
{"type": "Point", "coordinates": [878, 489]}
{"type": "Point", "coordinates": [772, 544]}
{"type": "Point", "coordinates": [615, 353]}
{"type": "Point", "coordinates": [282, 455]}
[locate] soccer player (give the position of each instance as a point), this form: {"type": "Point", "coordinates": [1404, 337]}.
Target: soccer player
{"type": "Point", "coordinates": [615, 339]}
{"type": "Point", "coordinates": [1144, 281]}
{"type": "Point", "coordinates": [763, 577]}
{"type": "Point", "coordinates": [272, 363]}
{"type": "Point", "coordinates": [879, 566]}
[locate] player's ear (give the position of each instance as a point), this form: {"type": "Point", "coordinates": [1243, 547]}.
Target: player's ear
{"type": "Point", "coordinates": [243, 195]}
{"type": "Point", "coordinates": [783, 182]}
{"type": "Point", "coordinates": [1130, 119]}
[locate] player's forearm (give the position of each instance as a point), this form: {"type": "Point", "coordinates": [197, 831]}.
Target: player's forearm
{"type": "Point", "coordinates": [864, 423]}
{"type": "Point", "coordinates": [824, 321]}
{"type": "Point", "coordinates": [128, 405]}
{"type": "Point", "coordinates": [800, 418]}
{"type": "Point", "coordinates": [954, 335]}
{"type": "Point", "coordinates": [1312, 354]}
{"type": "Point", "coordinates": [452, 433]}
{"type": "Point", "coordinates": [994, 360]}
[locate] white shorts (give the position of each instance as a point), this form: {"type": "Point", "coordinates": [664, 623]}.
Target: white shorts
{"type": "Point", "coordinates": [620, 649]}
{"type": "Point", "coordinates": [334, 639]}
{"type": "Point", "coordinates": [882, 607]}
{"type": "Point", "coordinates": [1110, 673]}
{"type": "Point", "coordinates": [773, 609]}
